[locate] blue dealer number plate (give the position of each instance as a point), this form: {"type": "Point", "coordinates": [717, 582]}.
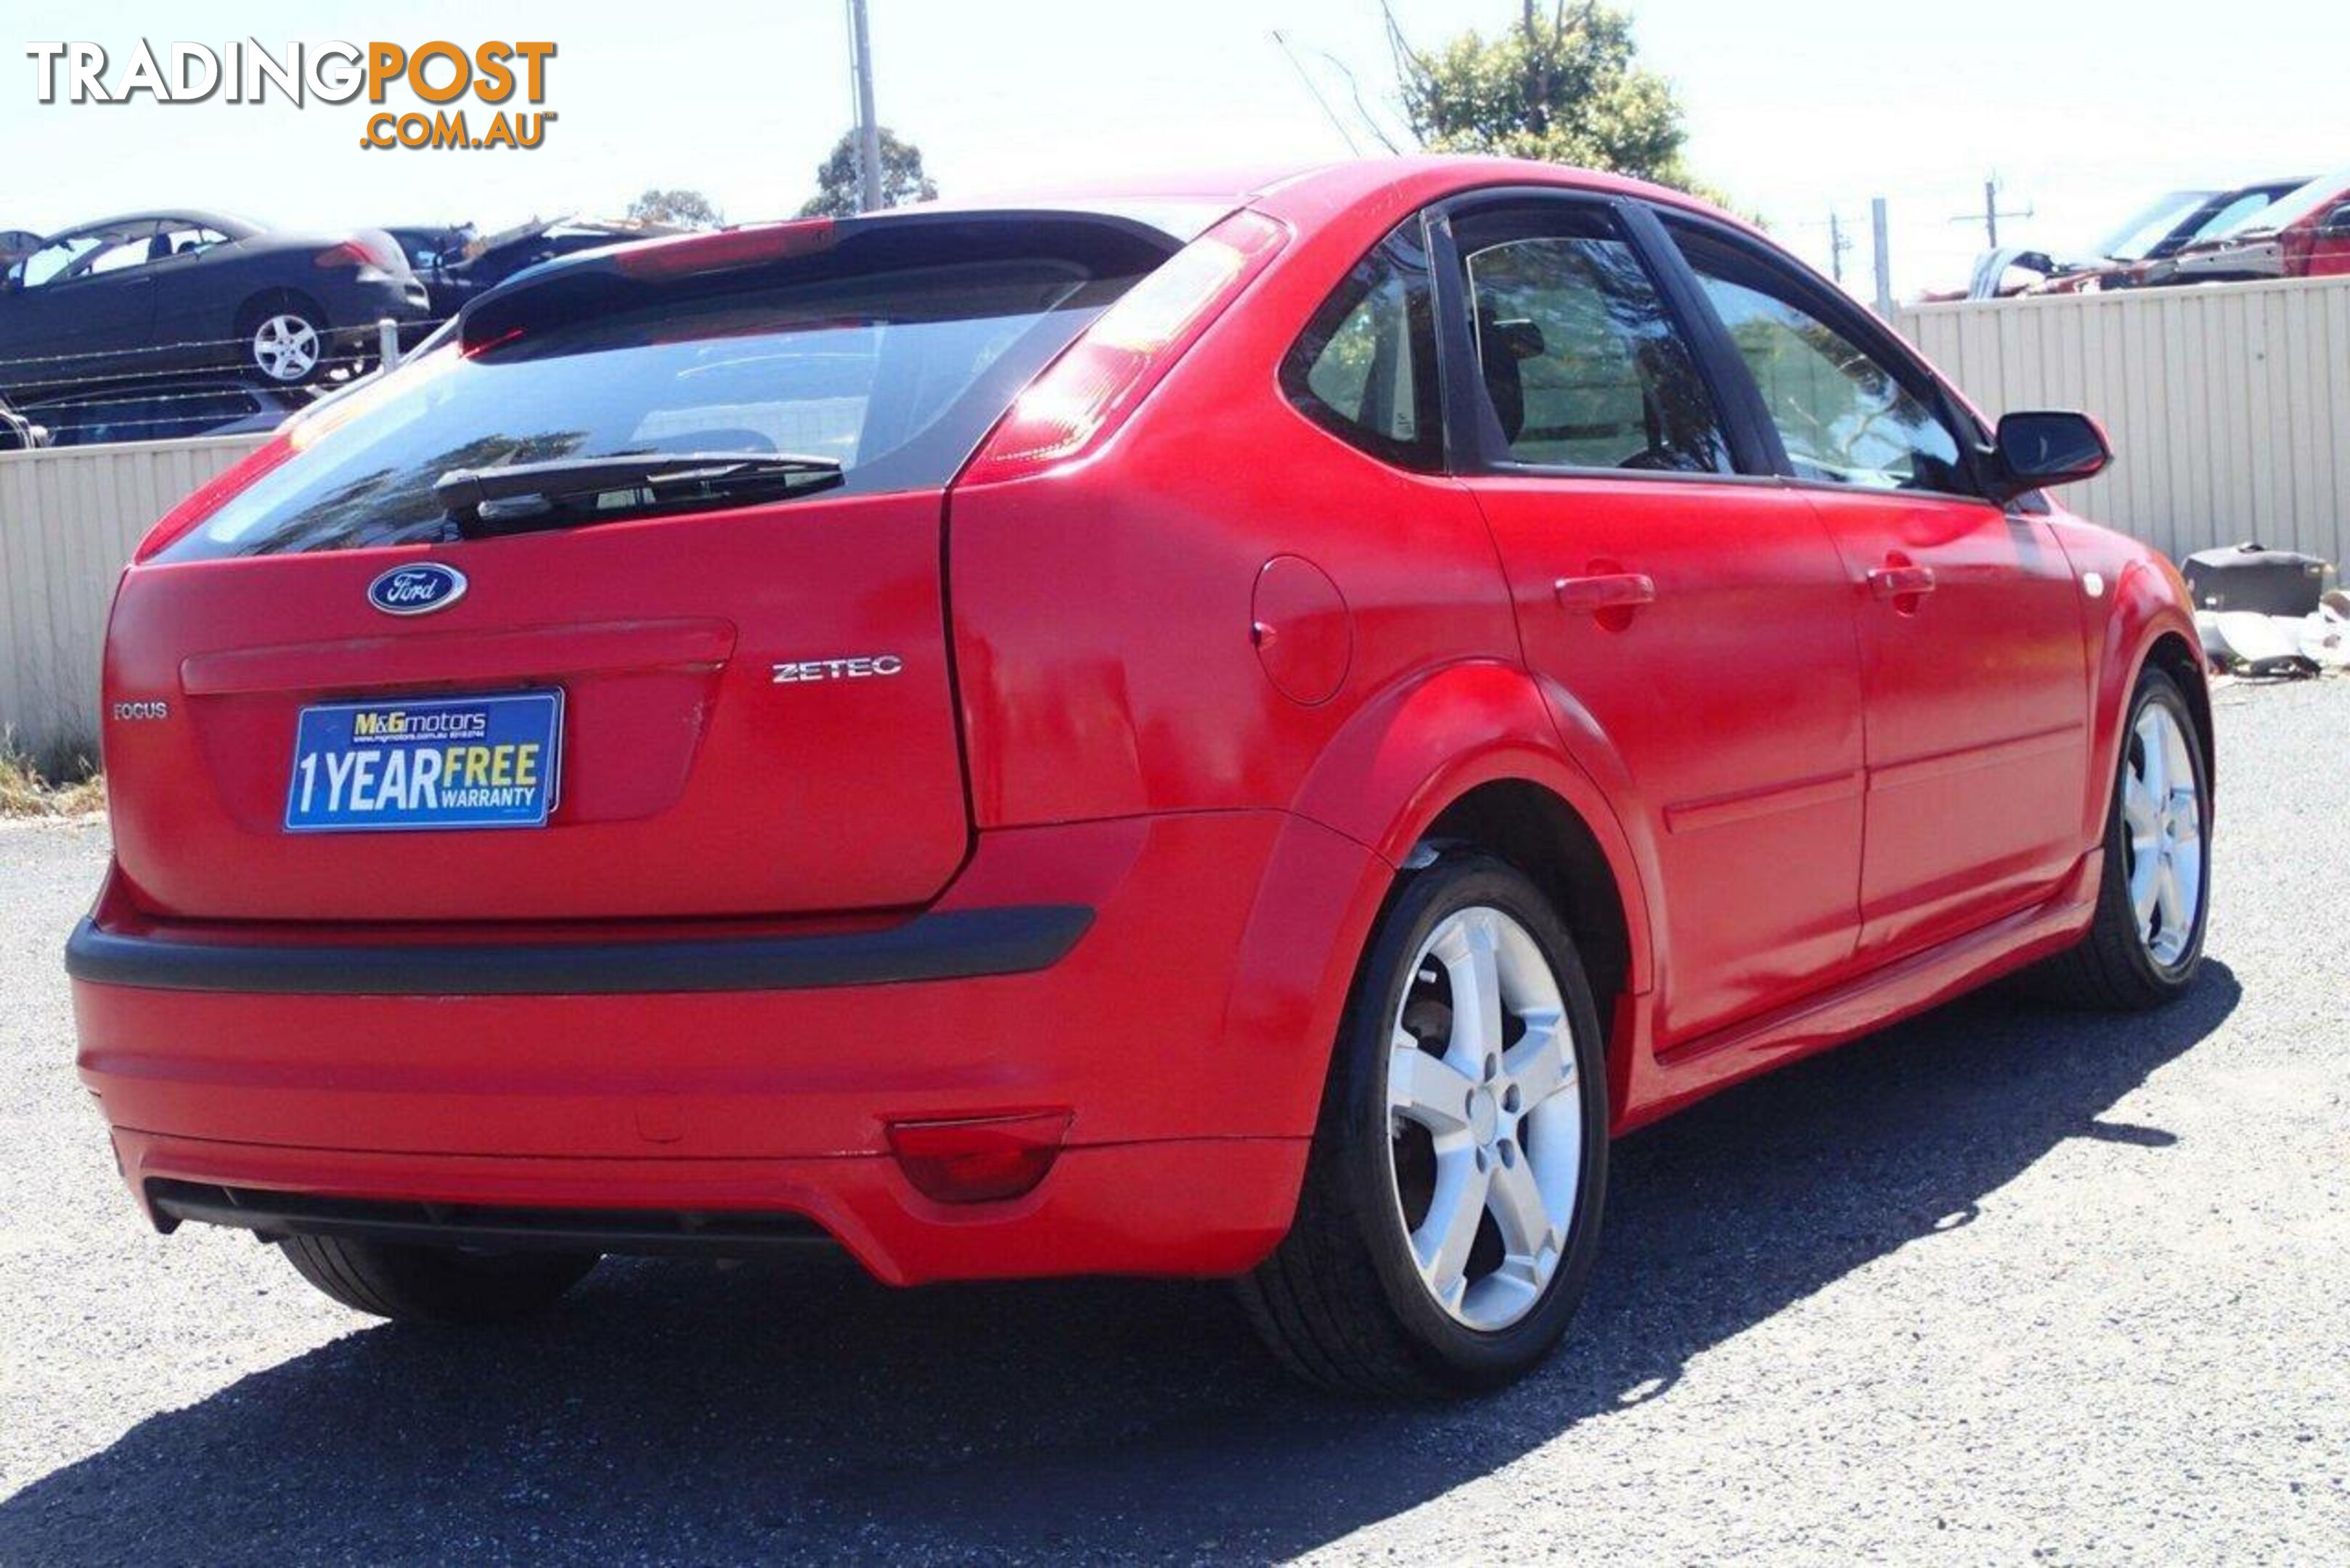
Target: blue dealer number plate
{"type": "Point", "coordinates": [442, 762]}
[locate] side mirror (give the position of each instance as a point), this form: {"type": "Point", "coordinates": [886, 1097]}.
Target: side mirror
{"type": "Point", "coordinates": [2337, 224]}
{"type": "Point", "coordinates": [2034, 450]}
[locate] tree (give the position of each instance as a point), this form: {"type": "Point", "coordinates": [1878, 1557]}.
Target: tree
{"type": "Point", "coordinates": [683, 209]}
{"type": "Point", "coordinates": [902, 180]}
{"type": "Point", "coordinates": [1565, 89]}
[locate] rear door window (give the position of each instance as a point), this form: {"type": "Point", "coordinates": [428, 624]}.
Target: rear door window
{"type": "Point", "coordinates": [1582, 362]}
{"type": "Point", "coordinates": [891, 353]}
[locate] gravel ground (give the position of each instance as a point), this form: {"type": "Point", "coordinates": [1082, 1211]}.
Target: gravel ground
{"type": "Point", "coordinates": [1997, 1284]}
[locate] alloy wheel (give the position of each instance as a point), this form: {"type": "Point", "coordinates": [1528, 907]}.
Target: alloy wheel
{"type": "Point", "coordinates": [286, 347]}
{"type": "Point", "coordinates": [1485, 1118]}
{"type": "Point", "coordinates": [2162, 816]}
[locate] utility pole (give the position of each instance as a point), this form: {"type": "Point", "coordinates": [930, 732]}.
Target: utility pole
{"type": "Point", "coordinates": [1991, 213]}
{"type": "Point", "coordinates": [1838, 244]}
{"type": "Point", "coordinates": [868, 129]}
{"type": "Point", "coordinates": [1884, 257]}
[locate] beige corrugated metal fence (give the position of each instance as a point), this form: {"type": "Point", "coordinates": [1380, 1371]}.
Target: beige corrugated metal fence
{"type": "Point", "coordinates": [2229, 407]}
{"type": "Point", "coordinates": [68, 519]}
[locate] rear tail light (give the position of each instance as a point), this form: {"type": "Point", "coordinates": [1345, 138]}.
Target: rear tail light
{"type": "Point", "coordinates": [979, 1159]}
{"type": "Point", "coordinates": [364, 250]}
{"type": "Point", "coordinates": [1084, 395]}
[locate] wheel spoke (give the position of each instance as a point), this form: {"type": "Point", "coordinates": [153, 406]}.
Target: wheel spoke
{"type": "Point", "coordinates": [1541, 1064]}
{"type": "Point", "coordinates": [1475, 972]}
{"type": "Point", "coordinates": [2187, 883]}
{"type": "Point", "coordinates": [2170, 900]}
{"type": "Point", "coordinates": [2140, 810]}
{"type": "Point", "coordinates": [1509, 1292]}
{"type": "Point", "coordinates": [1516, 1202]}
{"type": "Point", "coordinates": [2178, 766]}
{"type": "Point", "coordinates": [1443, 1240]}
{"type": "Point", "coordinates": [2154, 761]}
{"type": "Point", "coordinates": [1422, 1089]}
{"type": "Point", "coordinates": [2145, 882]}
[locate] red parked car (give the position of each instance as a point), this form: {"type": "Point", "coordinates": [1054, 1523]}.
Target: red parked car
{"type": "Point", "coordinates": [2303, 235]}
{"type": "Point", "coordinates": [1233, 734]}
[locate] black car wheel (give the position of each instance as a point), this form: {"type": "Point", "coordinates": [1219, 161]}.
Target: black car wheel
{"type": "Point", "coordinates": [1453, 1198]}
{"type": "Point", "coordinates": [435, 1285]}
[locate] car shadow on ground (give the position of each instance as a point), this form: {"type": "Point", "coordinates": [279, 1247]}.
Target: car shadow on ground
{"type": "Point", "coordinates": [677, 1411]}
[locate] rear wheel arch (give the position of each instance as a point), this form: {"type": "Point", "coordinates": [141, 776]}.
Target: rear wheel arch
{"type": "Point", "coordinates": [260, 303]}
{"type": "Point", "coordinates": [1525, 822]}
{"type": "Point", "coordinates": [1534, 830]}
{"type": "Point", "coordinates": [1466, 752]}
{"type": "Point", "coordinates": [1413, 754]}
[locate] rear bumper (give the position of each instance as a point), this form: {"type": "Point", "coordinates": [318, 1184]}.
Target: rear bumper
{"type": "Point", "coordinates": [1193, 1207]}
{"type": "Point", "coordinates": [1182, 1026]}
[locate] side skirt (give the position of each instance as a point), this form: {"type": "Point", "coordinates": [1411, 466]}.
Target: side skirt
{"type": "Point", "coordinates": [1664, 1082]}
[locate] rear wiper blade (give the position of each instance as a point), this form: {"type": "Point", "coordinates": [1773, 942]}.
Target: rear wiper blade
{"type": "Point", "coordinates": [574, 491]}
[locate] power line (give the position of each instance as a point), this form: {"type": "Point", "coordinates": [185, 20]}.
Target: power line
{"type": "Point", "coordinates": [1335, 123]}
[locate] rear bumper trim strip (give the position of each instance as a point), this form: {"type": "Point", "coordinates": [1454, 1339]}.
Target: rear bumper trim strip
{"type": "Point", "coordinates": [634, 1233]}
{"type": "Point", "coordinates": [955, 944]}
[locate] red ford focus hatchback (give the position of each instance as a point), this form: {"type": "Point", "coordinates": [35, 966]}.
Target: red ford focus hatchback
{"type": "Point", "coordinates": [1236, 733]}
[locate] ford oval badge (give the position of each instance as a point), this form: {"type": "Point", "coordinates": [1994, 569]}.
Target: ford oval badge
{"type": "Point", "coordinates": [417, 590]}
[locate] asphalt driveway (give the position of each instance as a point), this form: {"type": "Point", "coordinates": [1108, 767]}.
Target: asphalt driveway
{"type": "Point", "coordinates": [2000, 1284]}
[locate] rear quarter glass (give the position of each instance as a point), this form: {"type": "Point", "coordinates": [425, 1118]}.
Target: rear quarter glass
{"type": "Point", "coordinates": [891, 353]}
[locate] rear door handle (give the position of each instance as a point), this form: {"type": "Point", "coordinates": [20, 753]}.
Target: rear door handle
{"type": "Point", "coordinates": [1901, 582]}
{"type": "Point", "coordinates": [1613, 590]}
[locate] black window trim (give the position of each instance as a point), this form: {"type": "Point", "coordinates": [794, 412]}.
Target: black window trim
{"type": "Point", "coordinates": [1470, 435]}
{"type": "Point", "coordinates": [1864, 330]}
{"type": "Point", "coordinates": [1474, 434]}
{"type": "Point", "coordinates": [1379, 449]}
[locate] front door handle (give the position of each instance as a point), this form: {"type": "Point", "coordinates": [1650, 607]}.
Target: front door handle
{"type": "Point", "coordinates": [1901, 582]}
{"type": "Point", "coordinates": [1606, 591]}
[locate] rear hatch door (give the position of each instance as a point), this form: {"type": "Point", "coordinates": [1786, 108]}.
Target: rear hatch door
{"type": "Point", "coordinates": [649, 701]}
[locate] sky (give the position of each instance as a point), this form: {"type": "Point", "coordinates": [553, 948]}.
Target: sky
{"type": "Point", "coordinates": [1795, 108]}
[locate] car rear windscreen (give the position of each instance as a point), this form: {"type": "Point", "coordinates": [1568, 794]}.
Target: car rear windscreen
{"type": "Point", "coordinates": [891, 353]}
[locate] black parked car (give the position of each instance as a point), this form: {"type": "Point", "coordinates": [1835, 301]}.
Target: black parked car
{"type": "Point", "coordinates": [153, 293]}
{"type": "Point", "coordinates": [434, 251]}
{"type": "Point", "coordinates": [168, 410]}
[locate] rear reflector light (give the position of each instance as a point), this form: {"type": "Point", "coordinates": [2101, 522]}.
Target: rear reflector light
{"type": "Point", "coordinates": [689, 253]}
{"type": "Point", "coordinates": [979, 1159]}
{"type": "Point", "coordinates": [1081, 397]}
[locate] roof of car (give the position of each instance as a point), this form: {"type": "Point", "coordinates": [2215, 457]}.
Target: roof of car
{"type": "Point", "coordinates": [1183, 204]}
{"type": "Point", "coordinates": [234, 228]}
{"type": "Point", "coordinates": [1248, 183]}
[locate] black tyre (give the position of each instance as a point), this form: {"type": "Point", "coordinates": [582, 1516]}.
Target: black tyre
{"type": "Point", "coordinates": [1452, 1203]}
{"type": "Point", "coordinates": [2146, 942]}
{"type": "Point", "coordinates": [435, 1285]}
